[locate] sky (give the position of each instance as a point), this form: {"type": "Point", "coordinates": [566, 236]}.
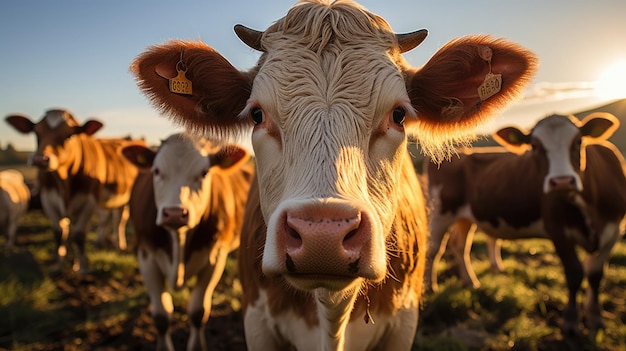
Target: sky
{"type": "Point", "coordinates": [75, 54]}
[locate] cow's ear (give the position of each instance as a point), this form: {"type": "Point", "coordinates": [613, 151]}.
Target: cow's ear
{"type": "Point", "coordinates": [599, 125]}
{"type": "Point", "coordinates": [215, 92]}
{"type": "Point", "coordinates": [20, 123]}
{"type": "Point", "coordinates": [139, 155]}
{"type": "Point", "coordinates": [513, 139]}
{"type": "Point", "coordinates": [229, 157]}
{"type": "Point", "coordinates": [90, 127]}
{"type": "Point", "coordinates": [465, 82]}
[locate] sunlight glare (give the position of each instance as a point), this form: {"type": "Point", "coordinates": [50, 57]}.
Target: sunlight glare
{"type": "Point", "coordinates": [612, 83]}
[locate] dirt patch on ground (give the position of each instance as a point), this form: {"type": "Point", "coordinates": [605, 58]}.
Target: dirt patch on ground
{"type": "Point", "coordinates": [99, 312]}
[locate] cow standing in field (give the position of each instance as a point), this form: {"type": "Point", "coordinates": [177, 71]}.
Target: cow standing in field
{"type": "Point", "coordinates": [565, 183]}
{"type": "Point", "coordinates": [334, 237]}
{"type": "Point", "coordinates": [77, 174]}
{"type": "Point", "coordinates": [14, 198]}
{"type": "Point", "coordinates": [187, 216]}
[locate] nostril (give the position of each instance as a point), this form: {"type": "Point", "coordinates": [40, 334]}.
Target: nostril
{"type": "Point", "coordinates": [562, 182]}
{"type": "Point", "coordinates": [294, 234]}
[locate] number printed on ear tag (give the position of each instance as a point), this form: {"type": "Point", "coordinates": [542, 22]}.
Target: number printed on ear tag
{"type": "Point", "coordinates": [180, 84]}
{"type": "Point", "coordinates": [490, 87]}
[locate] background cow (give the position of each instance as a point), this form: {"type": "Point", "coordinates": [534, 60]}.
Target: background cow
{"type": "Point", "coordinates": [568, 186]}
{"type": "Point", "coordinates": [187, 216]}
{"type": "Point", "coordinates": [77, 174]}
{"type": "Point", "coordinates": [14, 198]}
{"type": "Point", "coordinates": [335, 229]}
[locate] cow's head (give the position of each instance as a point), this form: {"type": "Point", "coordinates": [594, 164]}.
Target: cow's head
{"type": "Point", "coordinates": [331, 103]}
{"type": "Point", "coordinates": [55, 133]}
{"type": "Point", "coordinates": [181, 172]}
{"type": "Point", "coordinates": [558, 145]}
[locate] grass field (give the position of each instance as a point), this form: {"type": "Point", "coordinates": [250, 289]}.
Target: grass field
{"type": "Point", "coordinates": [108, 308]}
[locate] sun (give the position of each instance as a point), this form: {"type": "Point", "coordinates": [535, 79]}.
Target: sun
{"type": "Point", "coordinates": [612, 82]}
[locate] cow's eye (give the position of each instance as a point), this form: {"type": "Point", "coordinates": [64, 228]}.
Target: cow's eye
{"type": "Point", "coordinates": [398, 115]}
{"type": "Point", "coordinates": [257, 115]}
{"type": "Point", "coordinates": [155, 171]}
{"type": "Point", "coordinates": [204, 173]}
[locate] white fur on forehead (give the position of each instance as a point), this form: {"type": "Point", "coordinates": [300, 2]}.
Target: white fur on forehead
{"type": "Point", "coordinates": [321, 24]}
{"type": "Point", "coordinates": [55, 118]}
{"type": "Point", "coordinates": [195, 141]}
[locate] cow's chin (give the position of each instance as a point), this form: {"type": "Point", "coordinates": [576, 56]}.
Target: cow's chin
{"type": "Point", "coordinates": [310, 282]}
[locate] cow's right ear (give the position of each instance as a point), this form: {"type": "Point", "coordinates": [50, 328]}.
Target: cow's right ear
{"type": "Point", "coordinates": [20, 123]}
{"type": "Point", "coordinates": [139, 155]}
{"type": "Point", "coordinates": [513, 139]}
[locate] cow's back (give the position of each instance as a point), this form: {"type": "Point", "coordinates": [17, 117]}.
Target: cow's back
{"type": "Point", "coordinates": [495, 186]}
{"type": "Point", "coordinates": [14, 195]}
{"type": "Point", "coordinates": [119, 174]}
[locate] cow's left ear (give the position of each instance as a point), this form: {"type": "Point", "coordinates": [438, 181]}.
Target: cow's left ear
{"type": "Point", "coordinates": [599, 125]}
{"type": "Point", "coordinates": [513, 139]}
{"type": "Point", "coordinates": [464, 83]}
{"type": "Point", "coordinates": [90, 127]}
{"type": "Point", "coordinates": [229, 157]}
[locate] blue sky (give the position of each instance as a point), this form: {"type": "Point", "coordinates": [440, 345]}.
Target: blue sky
{"type": "Point", "coordinates": [75, 54]}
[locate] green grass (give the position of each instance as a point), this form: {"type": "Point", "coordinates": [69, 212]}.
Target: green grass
{"type": "Point", "coordinates": [519, 309]}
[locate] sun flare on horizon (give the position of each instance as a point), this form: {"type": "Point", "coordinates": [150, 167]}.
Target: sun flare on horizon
{"type": "Point", "coordinates": [612, 83]}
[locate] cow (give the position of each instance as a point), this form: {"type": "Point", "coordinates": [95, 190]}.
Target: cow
{"type": "Point", "coordinates": [562, 181]}
{"type": "Point", "coordinates": [14, 198]}
{"type": "Point", "coordinates": [334, 236]}
{"type": "Point", "coordinates": [187, 214]}
{"type": "Point", "coordinates": [77, 173]}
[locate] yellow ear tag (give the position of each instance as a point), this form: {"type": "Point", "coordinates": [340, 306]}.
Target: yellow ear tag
{"type": "Point", "coordinates": [180, 84]}
{"type": "Point", "coordinates": [493, 82]}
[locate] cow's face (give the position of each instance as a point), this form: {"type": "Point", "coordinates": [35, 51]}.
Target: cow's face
{"type": "Point", "coordinates": [329, 154]}
{"type": "Point", "coordinates": [182, 185]}
{"type": "Point", "coordinates": [55, 133]}
{"type": "Point", "coordinates": [331, 102]}
{"type": "Point", "coordinates": [557, 144]}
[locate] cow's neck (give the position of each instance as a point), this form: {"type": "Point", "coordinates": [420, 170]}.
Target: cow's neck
{"type": "Point", "coordinates": [334, 310]}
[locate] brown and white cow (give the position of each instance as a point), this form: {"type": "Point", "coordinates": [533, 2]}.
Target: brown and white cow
{"type": "Point", "coordinates": [77, 174]}
{"type": "Point", "coordinates": [335, 230]}
{"type": "Point", "coordinates": [14, 198]}
{"type": "Point", "coordinates": [565, 182]}
{"type": "Point", "coordinates": [187, 216]}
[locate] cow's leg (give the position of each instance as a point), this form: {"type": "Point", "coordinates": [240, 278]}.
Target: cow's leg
{"type": "Point", "coordinates": [54, 208]}
{"type": "Point", "coordinates": [11, 230]}
{"type": "Point", "coordinates": [460, 242]}
{"type": "Point", "coordinates": [103, 215]}
{"type": "Point", "coordinates": [574, 276]}
{"type": "Point", "coordinates": [437, 246]}
{"type": "Point", "coordinates": [81, 210]}
{"type": "Point", "coordinates": [494, 248]}
{"type": "Point", "coordinates": [161, 302]}
{"type": "Point", "coordinates": [594, 270]}
{"type": "Point", "coordinates": [120, 218]}
{"type": "Point", "coordinates": [201, 299]}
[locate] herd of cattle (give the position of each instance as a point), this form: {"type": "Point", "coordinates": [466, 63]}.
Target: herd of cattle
{"type": "Point", "coordinates": [336, 241]}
